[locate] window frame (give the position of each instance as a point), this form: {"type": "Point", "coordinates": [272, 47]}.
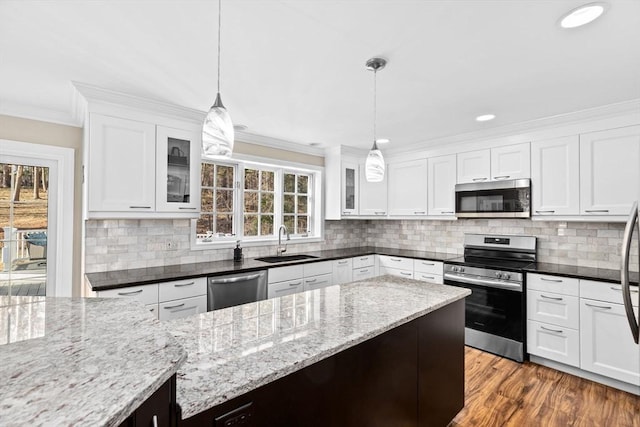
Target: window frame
{"type": "Point", "coordinates": [279, 167]}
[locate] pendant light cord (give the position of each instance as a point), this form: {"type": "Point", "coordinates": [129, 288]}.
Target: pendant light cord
{"type": "Point", "coordinates": [219, 25]}
{"type": "Point", "coordinates": [375, 71]}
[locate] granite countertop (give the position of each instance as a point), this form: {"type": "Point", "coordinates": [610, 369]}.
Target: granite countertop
{"type": "Point", "coordinates": [74, 361]}
{"type": "Point", "coordinates": [139, 276]}
{"type": "Point", "coordinates": [237, 349]}
{"type": "Point", "coordinates": [588, 273]}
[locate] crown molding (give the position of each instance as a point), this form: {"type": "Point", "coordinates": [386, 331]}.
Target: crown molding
{"type": "Point", "coordinates": [40, 114]}
{"type": "Point", "coordinates": [99, 96]}
{"type": "Point", "coordinates": [602, 112]}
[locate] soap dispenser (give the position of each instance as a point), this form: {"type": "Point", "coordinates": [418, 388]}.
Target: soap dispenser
{"type": "Point", "coordinates": [237, 252]}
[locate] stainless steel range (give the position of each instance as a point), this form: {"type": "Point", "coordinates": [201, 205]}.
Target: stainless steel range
{"type": "Point", "coordinates": [492, 268]}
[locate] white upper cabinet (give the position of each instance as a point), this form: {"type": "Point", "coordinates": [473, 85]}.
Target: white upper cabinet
{"type": "Point", "coordinates": [495, 164]}
{"type": "Point", "coordinates": [373, 195]}
{"type": "Point", "coordinates": [350, 188]}
{"type": "Point", "coordinates": [609, 171]}
{"type": "Point", "coordinates": [441, 185]}
{"type": "Point", "coordinates": [555, 176]}
{"type": "Point", "coordinates": [178, 169]}
{"type": "Point", "coordinates": [121, 168]}
{"type": "Point", "coordinates": [511, 162]}
{"type": "Point", "coordinates": [474, 166]}
{"type": "Point", "coordinates": [408, 187]}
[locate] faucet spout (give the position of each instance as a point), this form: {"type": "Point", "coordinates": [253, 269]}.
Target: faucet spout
{"type": "Point", "coordinates": [282, 248]}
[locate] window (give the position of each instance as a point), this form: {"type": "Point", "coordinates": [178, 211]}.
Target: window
{"type": "Point", "coordinates": [296, 203]}
{"type": "Point", "coordinates": [249, 201]}
{"type": "Point", "coordinates": [218, 197]}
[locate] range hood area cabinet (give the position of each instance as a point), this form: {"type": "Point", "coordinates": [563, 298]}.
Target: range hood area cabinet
{"type": "Point", "coordinates": [594, 174]}
{"type": "Point", "coordinates": [141, 158]}
{"type": "Point", "coordinates": [494, 164]}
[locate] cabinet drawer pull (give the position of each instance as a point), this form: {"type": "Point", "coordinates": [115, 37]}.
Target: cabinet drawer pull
{"type": "Point", "coordinates": [419, 212]}
{"type": "Point", "coordinates": [404, 273]}
{"type": "Point", "coordinates": [596, 210]}
{"type": "Point", "coordinates": [427, 277]}
{"type": "Point", "coordinates": [366, 258]}
{"type": "Point", "coordinates": [551, 280]}
{"type": "Point", "coordinates": [553, 298]}
{"type": "Point", "coordinates": [598, 306]}
{"type": "Point", "coordinates": [173, 306]}
{"type": "Point", "coordinates": [428, 263]}
{"type": "Point", "coordinates": [448, 212]}
{"type": "Point", "coordinates": [557, 331]}
{"type": "Point", "coordinates": [502, 177]}
{"type": "Point", "coordinates": [282, 290]}
{"type": "Point", "coordinates": [380, 213]}
{"type": "Point", "coordinates": [295, 284]}
{"type": "Point", "coordinates": [130, 293]}
{"type": "Point", "coordinates": [180, 285]}
{"type": "Point", "coordinates": [310, 281]}
{"type": "Point", "coordinates": [343, 262]}
{"type": "Point", "coordinates": [634, 291]}
{"type": "Point", "coordinates": [479, 179]}
{"type": "Point", "coordinates": [187, 208]}
{"type": "Point", "coordinates": [139, 207]}
{"type": "Point", "coordinates": [346, 213]}
{"type": "Point", "coordinates": [550, 211]}
{"type": "Point", "coordinates": [366, 270]}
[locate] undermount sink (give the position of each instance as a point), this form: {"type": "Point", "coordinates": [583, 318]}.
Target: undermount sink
{"type": "Point", "coordinates": [284, 258]}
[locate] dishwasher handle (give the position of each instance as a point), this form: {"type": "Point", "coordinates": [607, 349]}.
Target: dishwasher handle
{"type": "Point", "coordinates": [234, 279]}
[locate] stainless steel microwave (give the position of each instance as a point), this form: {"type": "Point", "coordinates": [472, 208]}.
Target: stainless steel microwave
{"type": "Point", "coordinates": [494, 199]}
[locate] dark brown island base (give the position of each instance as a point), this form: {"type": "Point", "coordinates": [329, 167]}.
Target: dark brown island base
{"type": "Point", "coordinates": [411, 375]}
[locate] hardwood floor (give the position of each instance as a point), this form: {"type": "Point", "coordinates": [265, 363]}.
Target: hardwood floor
{"type": "Point", "coordinates": [500, 392]}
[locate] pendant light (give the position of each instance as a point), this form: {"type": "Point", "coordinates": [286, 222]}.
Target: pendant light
{"type": "Point", "coordinates": [374, 165]}
{"type": "Point", "coordinates": [217, 131]}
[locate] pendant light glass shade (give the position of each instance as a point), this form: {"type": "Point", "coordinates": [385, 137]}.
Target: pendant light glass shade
{"type": "Point", "coordinates": [374, 165]}
{"type": "Point", "coordinates": [217, 132]}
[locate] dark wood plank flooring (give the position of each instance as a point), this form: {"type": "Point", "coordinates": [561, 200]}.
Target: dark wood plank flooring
{"type": "Point", "coordinates": [500, 392]}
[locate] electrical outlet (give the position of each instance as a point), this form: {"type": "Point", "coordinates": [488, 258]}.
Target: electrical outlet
{"type": "Point", "coordinates": [170, 245]}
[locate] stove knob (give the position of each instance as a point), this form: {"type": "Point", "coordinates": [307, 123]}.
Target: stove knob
{"type": "Point", "coordinates": [455, 269]}
{"type": "Point", "coordinates": [499, 275]}
{"type": "Point", "coordinates": [461, 269]}
{"type": "Point", "coordinates": [506, 276]}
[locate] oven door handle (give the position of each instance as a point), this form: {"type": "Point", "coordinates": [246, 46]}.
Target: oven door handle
{"type": "Point", "coordinates": [483, 282]}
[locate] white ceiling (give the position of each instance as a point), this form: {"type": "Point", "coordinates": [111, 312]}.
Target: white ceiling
{"type": "Point", "coordinates": [294, 69]}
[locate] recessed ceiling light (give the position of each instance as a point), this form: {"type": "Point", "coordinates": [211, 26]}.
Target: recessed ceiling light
{"type": "Point", "coordinates": [583, 15]}
{"type": "Point", "coordinates": [383, 140]}
{"type": "Point", "coordinates": [485, 117]}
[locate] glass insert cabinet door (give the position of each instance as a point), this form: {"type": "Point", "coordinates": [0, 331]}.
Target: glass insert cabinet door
{"type": "Point", "coordinates": [178, 170]}
{"type": "Point", "coordinates": [349, 188]}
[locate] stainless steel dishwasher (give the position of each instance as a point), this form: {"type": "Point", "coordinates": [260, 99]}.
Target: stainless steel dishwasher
{"type": "Point", "coordinates": [235, 289]}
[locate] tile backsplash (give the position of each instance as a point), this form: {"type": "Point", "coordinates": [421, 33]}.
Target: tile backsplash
{"type": "Point", "coordinates": [126, 244]}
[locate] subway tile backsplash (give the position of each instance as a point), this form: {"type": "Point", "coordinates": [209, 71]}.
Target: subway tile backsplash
{"type": "Point", "coordinates": [126, 244]}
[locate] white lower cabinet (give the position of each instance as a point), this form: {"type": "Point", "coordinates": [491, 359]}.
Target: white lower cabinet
{"type": "Point", "coordinates": [363, 273]}
{"type": "Point", "coordinates": [286, 287]}
{"type": "Point", "coordinates": [428, 277]}
{"type": "Point", "coordinates": [428, 271]}
{"type": "Point", "coordinates": [146, 294]}
{"type": "Point", "coordinates": [554, 342]}
{"type": "Point", "coordinates": [407, 274]}
{"type": "Point", "coordinates": [606, 345]}
{"type": "Point", "coordinates": [183, 307]}
{"type": "Point", "coordinates": [318, 282]}
{"type": "Point", "coordinates": [342, 271]}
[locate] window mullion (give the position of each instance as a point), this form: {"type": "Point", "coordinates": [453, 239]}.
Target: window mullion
{"type": "Point", "coordinates": [278, 199]}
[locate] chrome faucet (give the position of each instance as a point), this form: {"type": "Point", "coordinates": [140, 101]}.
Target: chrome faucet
{"type": "Point", "coordinates": [282, 248]}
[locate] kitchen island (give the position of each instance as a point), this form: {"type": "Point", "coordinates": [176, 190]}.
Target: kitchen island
{"type": "Point", "coordinates": [383, 351]}
{"type": "Point", "coordinates": [84, 362]}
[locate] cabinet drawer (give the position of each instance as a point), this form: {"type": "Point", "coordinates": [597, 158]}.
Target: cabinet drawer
{"type": "Point", "coordinates": [146, 294]}
{"type": "Point", "coordinates": [426, 266]}
{"type": "Point", "coordinates": [317, 282]}
{"type": "Point", "coordinates": [168, 291]}
{"type": "Point", "coordinates": [364, 261]}
{"type": "Point", "coordinates": [407, 274]}
{"type": "Point", "coordinates": [555, 309]}
{"type": "Point", "coordinates": [280, 274]}
{"type": "Point", "coordinates": [317, 268]}
{"type": "Point", "coordinates": [553, 342]}
{"type": "Point", "coordinates": [182, 308]}
{"type": "Point", "coordinates": [396, 262]}
{"type": "Point", "coordinates": [428, 277]}
{"type": "Point", "coordinates": [555, 284]}
{"type": "Point", "coordinates": [363, 273]}
{"type": "Point", "coordinates": [285, 288]}
{"type": "Point", "coordinates": [610, 292]}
